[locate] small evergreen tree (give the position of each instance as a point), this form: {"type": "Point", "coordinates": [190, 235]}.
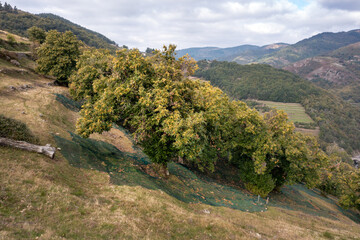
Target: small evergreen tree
{"type": "Point", "coordinates": [8, 7]}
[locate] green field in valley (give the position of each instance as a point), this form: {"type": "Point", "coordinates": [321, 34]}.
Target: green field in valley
{"type": "Point", "coordinates": [295, 111]}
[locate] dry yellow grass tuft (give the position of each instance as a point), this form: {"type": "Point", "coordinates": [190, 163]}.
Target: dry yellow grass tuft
{"type": "Point", "coordinates": [116, 138]}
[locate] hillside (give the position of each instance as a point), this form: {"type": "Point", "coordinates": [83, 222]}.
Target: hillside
{"type": "Point", "coordinates": [279, 54]}
{"type": "Point", "coordinates": [100, 188]}
{"type": "Point", "coordinates": [338, 120]}
{"type": "Point", "coordinates": [19, 22]}
{"type": "Point", "coordinates": [241, 54]}
{"type": "Point", "coordinates": [338, 71]}
{"type": "Point", "coordinates": [319, 44]}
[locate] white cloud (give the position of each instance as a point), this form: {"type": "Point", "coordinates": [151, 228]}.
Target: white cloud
{"type": "Point", "coordinates": [265, 28]}
{"type": "Point", "coordinates": [188, 23]}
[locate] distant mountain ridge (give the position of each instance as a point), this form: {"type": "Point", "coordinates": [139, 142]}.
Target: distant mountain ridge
{"type": "Point", "coordinates": [338, 71]}
{"type": "Point", "coordinates": [320, 44]}
{"type": "Point", "coordinates": [277, 55]}
{"type": "Point", "coordinates": [19, 22]}
{"type": "Point", "coordinates": [242, 53]}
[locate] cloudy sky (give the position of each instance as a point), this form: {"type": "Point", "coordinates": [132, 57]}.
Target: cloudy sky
{"type": "Point", "coordinates": [200, 23]}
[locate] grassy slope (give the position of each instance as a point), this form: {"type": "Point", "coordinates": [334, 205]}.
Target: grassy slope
{"type": "Point", "coordinates": [50, 199]}
{"type": "Point", "coordinates": [295, 111]}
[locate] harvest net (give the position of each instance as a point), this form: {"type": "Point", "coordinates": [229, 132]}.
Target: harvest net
{"type": "Point", "coordinates": [126, 168]}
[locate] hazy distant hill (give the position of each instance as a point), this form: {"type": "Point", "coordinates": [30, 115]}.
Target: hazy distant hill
{"type": "Point", "coordinates": [279, 54]}
{"type": "Point", "coordinates": [241, 54]}
{"type": "Point", "coordinates": [320, 44]}
{"type": "Point", "coordinates": [338, 120]}
{"type": "Point", "coordinates": [338, 71]}
{"type": "Point", "coordinates": [19, 22]}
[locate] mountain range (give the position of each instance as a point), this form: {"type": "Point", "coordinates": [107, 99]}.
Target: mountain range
{"type": "Point", "coordinates": [329, 60]}
{"type": "Point", "coordinates": [278, 54]}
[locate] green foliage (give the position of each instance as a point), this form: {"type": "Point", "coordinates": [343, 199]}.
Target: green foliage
{"type": "Point", "coordinates": [172, 116]}
{"type": "Point", "coordinates": [11, 39]}
{"type": "Point", "coordinates": [255, 81]}
{"type": "Point", "coordinates": [19, 24]}
{"type": "Point", "coordinates": [93, 64]}
{"type": "Point", "coordinates": [13, 129]}
{"type": "Point", "coordinates": [342, 180]}
{"type": "Point", "coordinates": [36, 34]}
{"type": "Point", "coordinates": [278, 155]}
{"type": "Point", "coordinates": [58, 55]}
{"type": "Point", "coordinates": [8, 8]}
{"type": "Point", "coordinates": [350, 197]}
{"type": "Point", "coordinates": [338, 120]}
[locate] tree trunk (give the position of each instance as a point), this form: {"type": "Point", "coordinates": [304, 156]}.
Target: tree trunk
{"type": "Point", "coordinates": [46, 150]}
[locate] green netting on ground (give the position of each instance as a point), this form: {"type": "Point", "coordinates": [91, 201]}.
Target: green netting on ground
{"type": "Point", "coordinates": [299, 198]}
{"type": "Point", "coordinates": [68, 102]}
{"type": "Point", "coordinates": [125, 169]}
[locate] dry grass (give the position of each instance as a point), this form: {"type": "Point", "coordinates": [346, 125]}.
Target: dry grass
{"type": "Point", "coordinates": [38, 108]}
{"type": "Point", "coordinates": [4, 34]}
{"type": "Point", "coordinates": [49, 199]}
{"type": "Point", "coordinates": [41, 197]}
{"type": "Point", "coordinates": [311, 132]}
{"type": "Point", "coordinates": [116, 138]}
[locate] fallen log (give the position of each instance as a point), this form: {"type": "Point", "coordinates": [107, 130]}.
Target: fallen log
{"type": "Point", "coordinates": [46, 150]}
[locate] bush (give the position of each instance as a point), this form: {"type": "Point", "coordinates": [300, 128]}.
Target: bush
{"type": "Point", "coordinates": [57, 56]}
{"type": "Point", "coordinates": [11, 128]}
{"type": "Point", "coordinates": [10, 38]}
{"type": "Point", "coordinates": [259, 184]}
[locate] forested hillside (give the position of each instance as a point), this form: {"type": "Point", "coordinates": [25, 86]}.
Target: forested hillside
{"type": "Point", "coordinates": [338, 71]}
{"type": "Point", "coordinates": [338, 120]}
{"type": "Point", "coordinates": [18, 22]}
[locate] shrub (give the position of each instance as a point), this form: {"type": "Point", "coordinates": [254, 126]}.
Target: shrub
{"type": "Point", "coordinates": [14, 129]}
{"type": "Point", "coordinates": [10, 38]}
